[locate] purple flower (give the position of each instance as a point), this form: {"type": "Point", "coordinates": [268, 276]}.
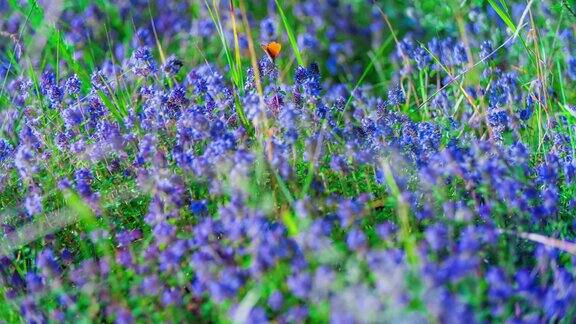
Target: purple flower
{"type": "Point", "coordinates": [571, 68]}
{"type": "Point", "coordinates": [198, 207]}
{"type": "Point", "coordinates": [385, 230]}
{"type": "Point", "coordinates": [206, 27]}
{"type": "Point", "coordinates": [436, 235]}
{"type": "Point", "coordinates": [422, 58]}
{"type": "Point", "coordinates": [300, 284]}
{"type": "Point", "coordinates": [499, 289]}
{"type": "Point", "coordinates": [257, 315]}
{"type": "Point", "coordinates": [150, 285]}
{"type": "Point", "coordinates": [297, 314]}
{"type": "Point", "coordinates": [83, 178]}
{"type": "Point", "coordinates": [485, 50]}
{"type": "Point", "coordinates": [405, 47]}
{"type": "Point", "coordinates": [49, 87]}
{"type": "Point", "coordinates": [460, 56]}
{"type": "Point", "coordinates": [396, 96]}
{"type": "Point", "coordinates": [34, 282]}
{"type": "Point", "coordinates": [171, 296]}
{"type": "Point", "coordinates": [124, 258]}
{"type": "Point", "coordinates": [356, 239]}
{"type": "Point", "coordinates": [308, 41]}
{"type": "Point", "coordinates": [94, 111]}
{"type": "Point", "coordinates": [46, 261]}
{"type": "Point", "coordinates": [73, 117]}
{"type": "Point", "coordinates": [6, 149]}
{"type": "Point", "coordinates": [308, 79]}
{"type": "Point", "coordinates": [142, 62]}
{"type": "Point", "coordinates": [123, 316]}
{"type": "Point", "coordinates": [33, 202]}
{"type": "Point", "coordinates": [276, 300]}
{"type": "Point", "coordinates": [146, 150]}
{"type": "Point", "coordinates": [73, 86]}
{"type": "Point", "coordinates": [124, 238]}
{"type": "Point", "coordinates": [164, 232]}
{"type": "Point", "coordinates": [268, 29]}
{"type": "Point", "coordinates": [172, 65]}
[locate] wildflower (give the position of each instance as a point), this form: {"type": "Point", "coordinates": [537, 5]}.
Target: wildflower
{"type": "Point", "coordinates": [571, 68]}
{"type": "Point", "coordinates": [34, 282]}
{"type": "Point", "coordinates": [396, 96]}
{"type": "Point", "coordinates": [436, 235]}
{"type": "Point", "coordinates": [33, 202]}
{"type": "Point", "coordinates": [485, 50]}
{"type": "Point", "coordinates": [83, 178]}
{"type": "Point", "coordinates": [206, 27]}
{"type": "Point", "coordinates": [142, 62]}
{"type": "Point", "coordinates": [50, 88]}
{"type": "Point", "coordinates": [172, 66]}
{"type": "Point", "coordinates": [6, 149]}
{"type": "Point", "coordinates": [124, 238]}
{"type": "Point", "coordinates": [300, 284]}
{"type": "Point", "coordinates": [276, 300]}
{"type": "Point", "coordinates": [198, 207]}
{"type": "Point", "coordinates": [499, 289]}
{"type": "Point", "coordinates": [73, 117]}
{"type": "Point", "coordinates": [385, 230]}
{"type": "Point", "coordinates": [526, 113]}
{"type": "Point", "coordinates": [73, 86]}
{"type": "Point", "coordinates": [308, 41]}
{"type": "Point", "coordinates": [171, 296]}
{"type": "Point", "coordinates": [406, 48]}
{"type": "Point", "coordinates": [460, 56]}
{"type": "Point", "coordinates": [308, 79]}
{"type": "Point", "coordinates": [268, 29]}
{"type": "Point", "coordinates": [422, 58]}
{"type": "Point", "coordinates": [46, 261]}
{"type": "Point", "coordinates": [356, 239]}
{"type": "Point", "coordinates": [498, 119]}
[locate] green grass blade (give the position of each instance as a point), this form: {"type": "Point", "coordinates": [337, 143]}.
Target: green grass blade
{"type": "Point", "coordinates": [290, 33]}
{"type": "Point", "coordinates": [237, 56]}
{"type": "Point", "coordinates": [368, 69]}
{"type": "Point", "coordinates": [216, 20]}
{"type": "Point", "coordinates": [503, 15]}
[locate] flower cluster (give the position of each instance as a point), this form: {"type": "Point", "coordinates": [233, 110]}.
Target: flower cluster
{"type": "Point", "coordinates": [156, 187]}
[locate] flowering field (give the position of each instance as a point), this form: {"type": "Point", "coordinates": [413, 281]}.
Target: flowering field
{"type": "Point", "coordinates": [287, 161]}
